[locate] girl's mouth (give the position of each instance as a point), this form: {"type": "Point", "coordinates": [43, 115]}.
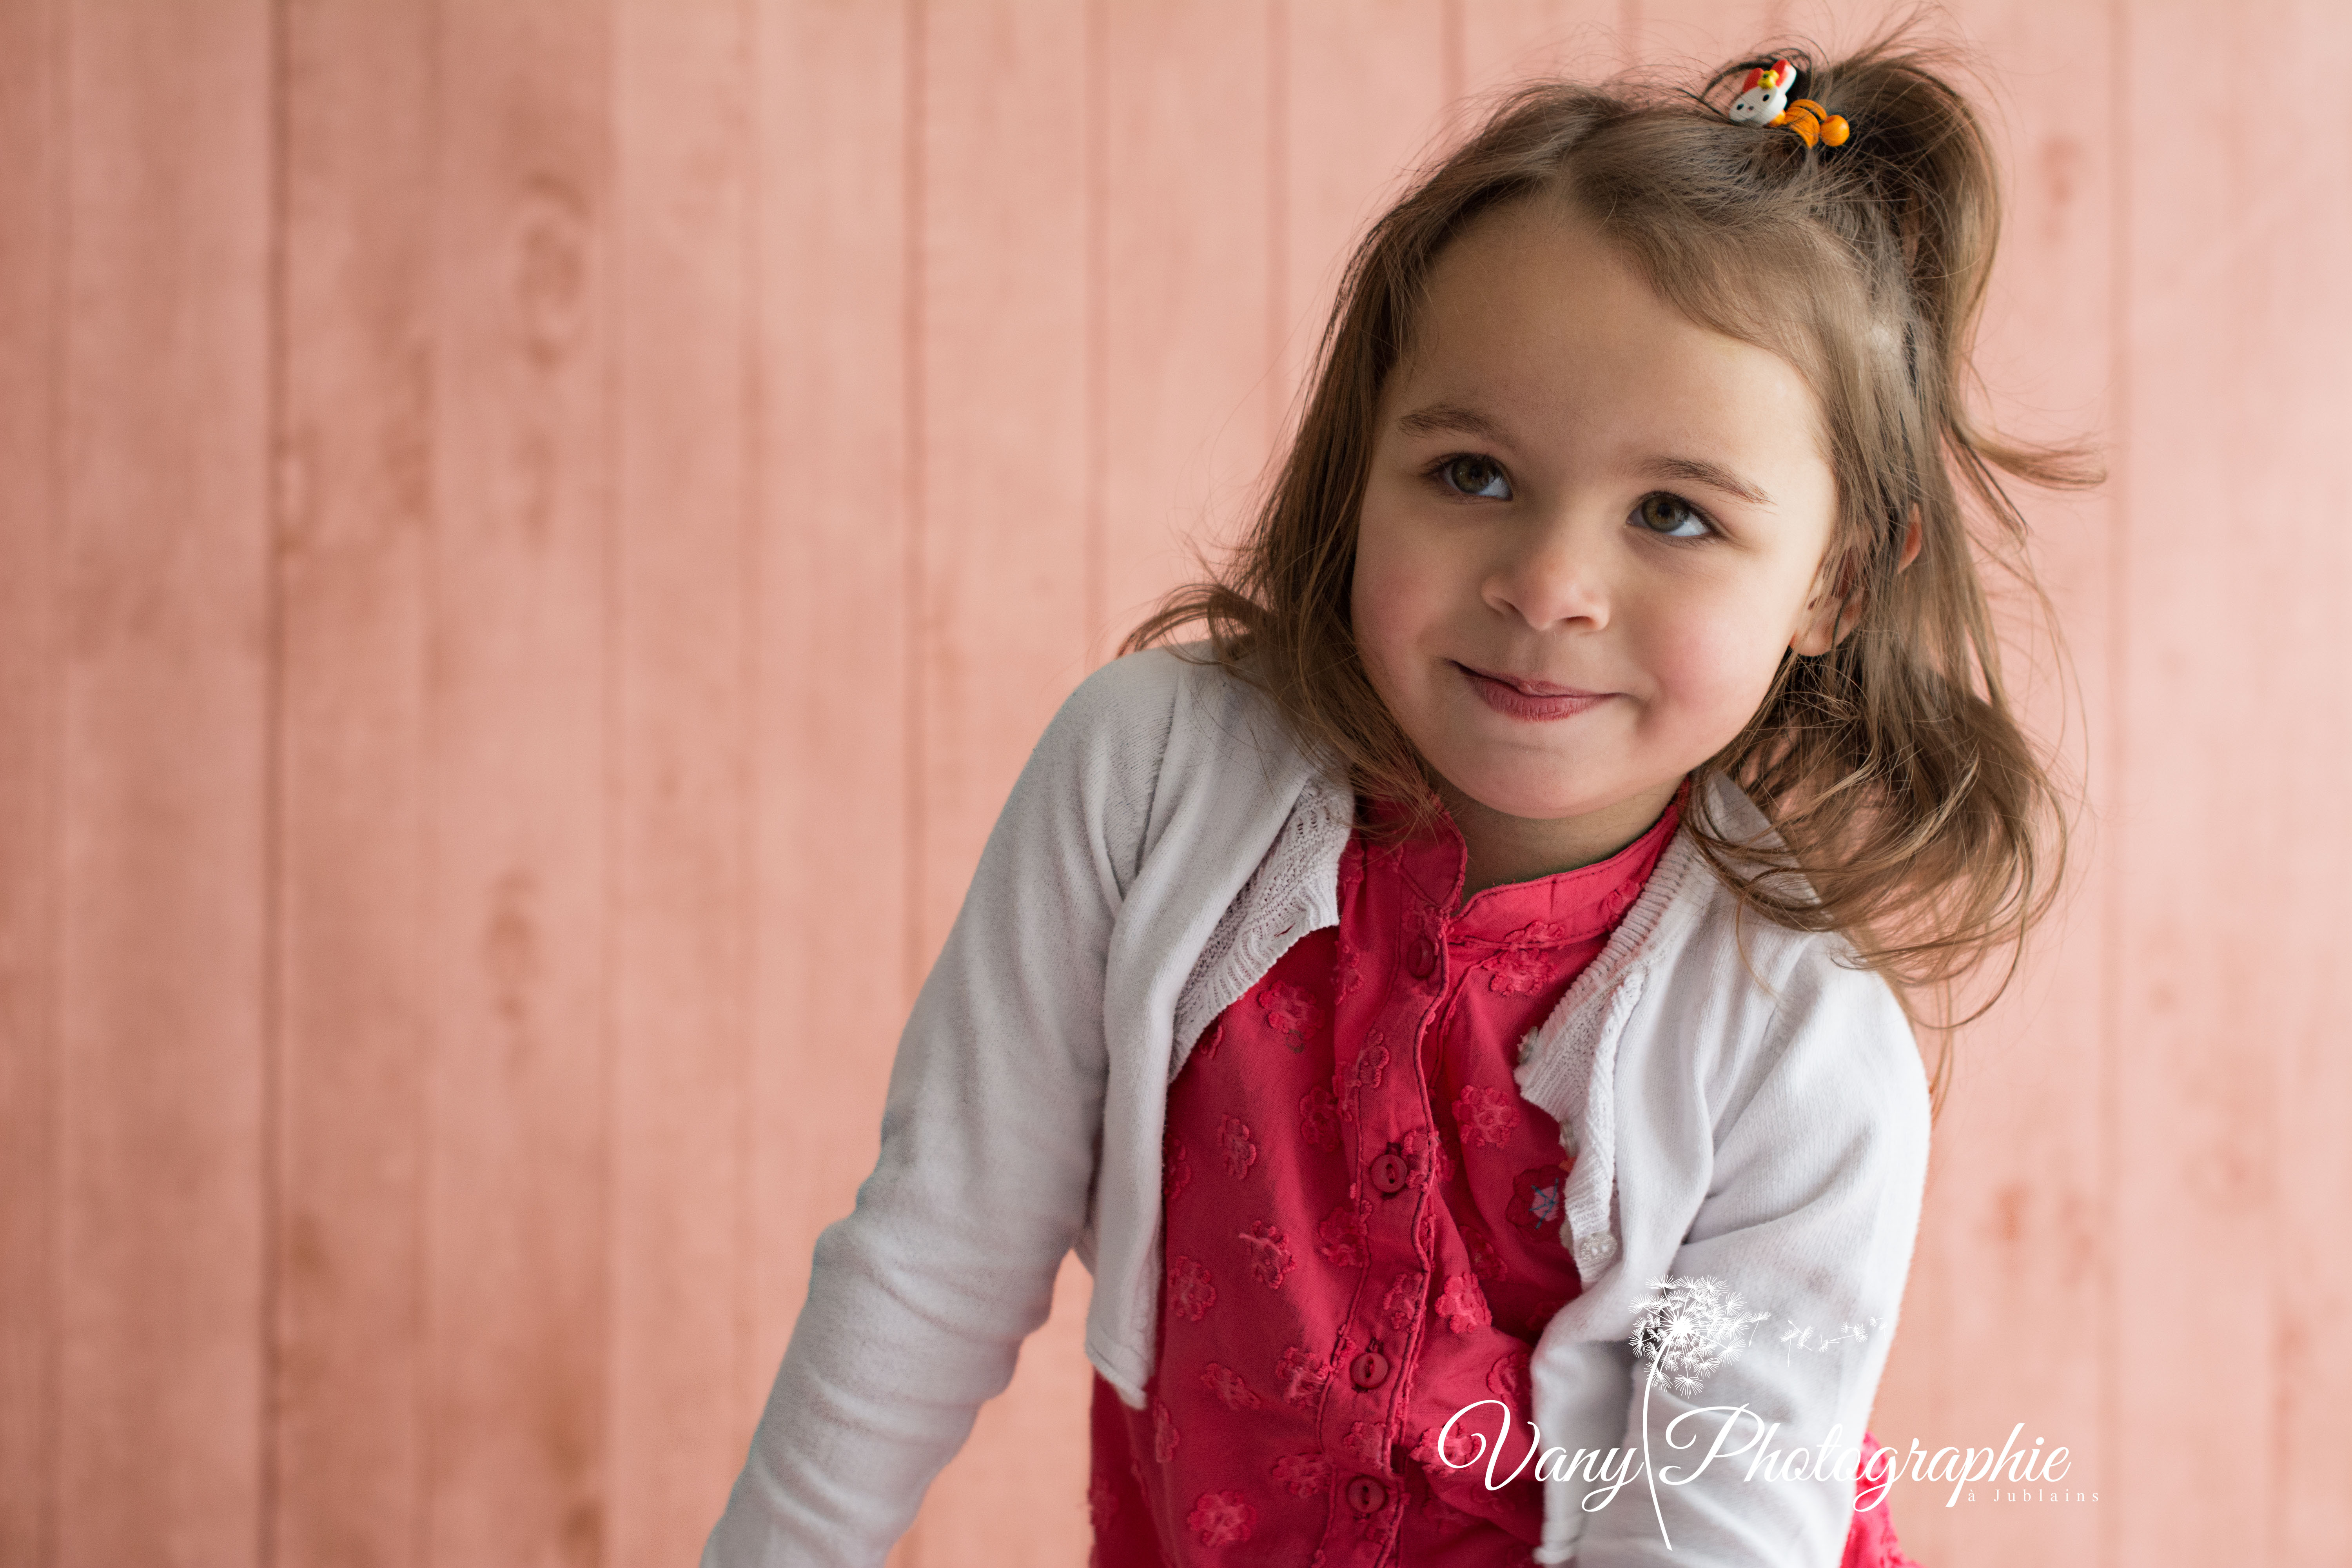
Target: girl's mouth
{"type": "Point", "coordinates": [1505, 698]}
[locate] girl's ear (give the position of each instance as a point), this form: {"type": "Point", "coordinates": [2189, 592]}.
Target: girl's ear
{"type": "Point", "coordinates": [1827, 615]}
{"type": "Point", "coordinates": [1836, 604]}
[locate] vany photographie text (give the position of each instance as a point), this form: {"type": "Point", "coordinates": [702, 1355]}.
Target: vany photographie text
{"type": "Point", "coordinates": [1610, 1468]}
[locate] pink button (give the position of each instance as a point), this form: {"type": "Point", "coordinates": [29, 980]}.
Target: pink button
{"type": "Point", "coordinates": [1366, 1495]}
{"type": "Point", "coordinates": [1423, 958]}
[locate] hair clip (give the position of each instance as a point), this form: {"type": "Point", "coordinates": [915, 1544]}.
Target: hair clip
{"type": "Point", "coordinates": [1764, 100]}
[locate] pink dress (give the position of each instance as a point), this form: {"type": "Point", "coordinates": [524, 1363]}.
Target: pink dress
{"type": "Point", "coordinates": [1361, 1233]}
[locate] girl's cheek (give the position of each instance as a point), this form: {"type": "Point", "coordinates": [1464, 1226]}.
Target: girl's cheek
{"type": "Point", "coordinates": [1714, 668]}
{"type": "Point", "coordinates": [1386, 607]}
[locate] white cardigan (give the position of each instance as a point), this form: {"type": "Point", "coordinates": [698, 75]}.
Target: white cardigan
{"type": "Point", "coordinates": [1762, 1121]}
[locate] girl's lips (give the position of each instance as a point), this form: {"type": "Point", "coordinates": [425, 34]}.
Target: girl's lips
{"type": "Point", "coordinates": [1505, 698]}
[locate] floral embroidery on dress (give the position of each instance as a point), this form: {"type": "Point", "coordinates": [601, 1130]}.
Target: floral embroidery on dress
{"type": "Point", "coordinates": [1347, 974]}
{"type": "Point", "coordinates": [1227, 1385]}
{"type": "Point", "coordinates": [1537, 933]}
{"type": "Point", "coordinates": [1292, 1010]}
{"type": "Point", "coordinates": [1222, 1518]}
{"type": "Point", "coordinates": [1270, 1256]}
{"type": "Point", "coordinates": [1367, 1445]}
{"type": "Point", "coordinates": [1301, 1376]}
{"type": "Point", "coordinates": [1304, 1474]}
{"type": "Point", "coordinates": [1424, 1232]}
{"type": "Point", "coordinates": [1485, 1260]}
{"type": "Point", "coordinates": [1102, 1503]}
{"type": "Point", "coordinates": [1233, 1138]}
{"type": "Point", "coordinates": [1318, 1120]}
{"type": "Point", "coordinates": [1175, 1168]}
{"type": "Point", "coordinates": [1519, 971]}
{"type": "Point", "coordinates": [1536, 1199]}
{"type": "Point", "coordinates": [1464, 1305]}
{"type": "Point", "coordinates": [1361, 1070]}
{"type": "Point", "coordinates": [1403, 1304]}
{"type": "Point", "coordinates": [1426, 1162]}
{"type": "Point", "coordinates": [1191, 1291]}
{"type": "Point", "coordinates": [1341, 1239]}
{"type": "Point", "coordinates": [1164, 1435]}
{"type": "Point", "coordinates": [1485, 1117]}
{"type": "Point", "coordinates": [1463, 1451]}
{"type": "Point", "coordinates": [1509, 1377]}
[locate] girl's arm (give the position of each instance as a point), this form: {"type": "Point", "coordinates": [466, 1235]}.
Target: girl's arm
{"type": "Point", "coordinates": [1810, 1212]}
{"type": "Point", "coordinates": [918, 1299]}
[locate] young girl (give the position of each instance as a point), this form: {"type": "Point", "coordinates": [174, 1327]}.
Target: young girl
{"type": "Point", "coordinates": [1502, 912]}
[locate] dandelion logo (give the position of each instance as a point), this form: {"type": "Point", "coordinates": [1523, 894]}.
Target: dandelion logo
{"type": "Point", "coordinates": [1684, 1331]}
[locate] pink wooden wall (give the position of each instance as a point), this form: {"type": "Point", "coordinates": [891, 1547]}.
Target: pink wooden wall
{"type": "Point", "coordinates": [536, 534]}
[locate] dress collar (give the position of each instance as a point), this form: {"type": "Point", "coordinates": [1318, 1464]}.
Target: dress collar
{"type": "Point", "coordinates": [1563, 907]}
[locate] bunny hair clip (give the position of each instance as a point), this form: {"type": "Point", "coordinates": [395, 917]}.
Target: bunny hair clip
{"type": "Point", "coordinates": [1764, 100]}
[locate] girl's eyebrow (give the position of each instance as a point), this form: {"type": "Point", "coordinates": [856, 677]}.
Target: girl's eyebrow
{"type": "Point", "coordinates": [1697, 471]}
{"type": "Point", "coordinates": [1440, 417]}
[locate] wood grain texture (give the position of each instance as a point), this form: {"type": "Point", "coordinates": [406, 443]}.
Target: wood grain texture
{"type": "Point", "coordinates": [356, 445]}
{"type": "Point", "coordinates": [2016, 1257]}
{"type": "Point", "coordinates": [2228, 729]}
{"type": "Point", "coordinates": [1365, 93]}
{"type": "Point", "coordinates": [1186, 412]}
{"type": "Point", "coordinates": [683, 608]}
{"type": "Point", "coordinates": [522, 760]}
{"type": "Point", "coordinates": [32, 724]}
{"type": "Point", "coordinates": [832, 551]}
{"type": "Point", "coordinates": [2287, 969]}
{"type": "Point", "coordinates": [535, 538]}
{"type": "Point", "coordinates": [162, 782]}
{"type": "Point", "coordinates": [1008, 576]}
{"type": "Point", "coordinates": [837, 420]}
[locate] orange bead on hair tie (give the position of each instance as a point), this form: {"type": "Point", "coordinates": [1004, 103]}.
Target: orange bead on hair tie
{"type": "Point", "coordinates": [1814, 123]}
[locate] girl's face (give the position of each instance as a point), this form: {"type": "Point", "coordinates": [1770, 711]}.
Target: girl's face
{"type": "Point", "coordinates": [1574, 487]}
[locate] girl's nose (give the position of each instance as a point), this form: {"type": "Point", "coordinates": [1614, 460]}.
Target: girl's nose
{"type": "Point", "coordinates": [1555, 580]}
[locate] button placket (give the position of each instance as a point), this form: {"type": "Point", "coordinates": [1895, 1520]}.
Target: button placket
{"type": "Point", "coordinates": [1391, 1308]}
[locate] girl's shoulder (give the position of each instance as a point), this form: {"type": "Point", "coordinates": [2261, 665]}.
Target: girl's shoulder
{"type": "Point", "coordinates": [1765, 989]}
{"type": "Point", "coordinates": [1169, 705]}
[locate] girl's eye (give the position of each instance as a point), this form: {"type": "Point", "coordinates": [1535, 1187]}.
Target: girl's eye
{"type": "Point", "coordinates": [1474, 476]}
{"type": "Point", "coordinates": [1671, 517]}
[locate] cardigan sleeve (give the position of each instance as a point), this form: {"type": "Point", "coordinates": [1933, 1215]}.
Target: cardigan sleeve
{"type": "Point", "coordinates": [919, 1298]}
{"type": "Point", "coordinates": [1810, 1212]}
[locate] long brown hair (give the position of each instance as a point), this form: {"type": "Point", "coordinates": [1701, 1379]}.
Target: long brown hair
{"type": "Point", "coordinates": [1916, 817]}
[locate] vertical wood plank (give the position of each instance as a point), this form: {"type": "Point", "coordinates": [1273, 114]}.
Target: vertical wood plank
{"type": "Point", "coordinates": [1186, 402]}
{"type": "Point", "coordinates": [2195, 1179]}
{"type": "Point", "coordinates": [2000, 1323]}
{"type": "Point", "coordinates": [837, 419]}
{"type": "Point", "coordinates": [2291, 962]}
{"type": "Point", "coordinates": [356, 449]}
{"type": "Point", "coordinates": [1003, 521]}
{"type": "Point", "coordinates": [2230, 844]}
{"type": "Point", "coordinates": [31, 720]}
{"type": "Point", "coordinates": [1365, 94]}
{"type": "Point", "coordinates": [166, 403]}
{"type": "Point", "coordinates": [1007, 566]}
{"type": "Point", "coordinates": [682, 894]}
{"type": "Point", "coordinates": [521, 765]}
